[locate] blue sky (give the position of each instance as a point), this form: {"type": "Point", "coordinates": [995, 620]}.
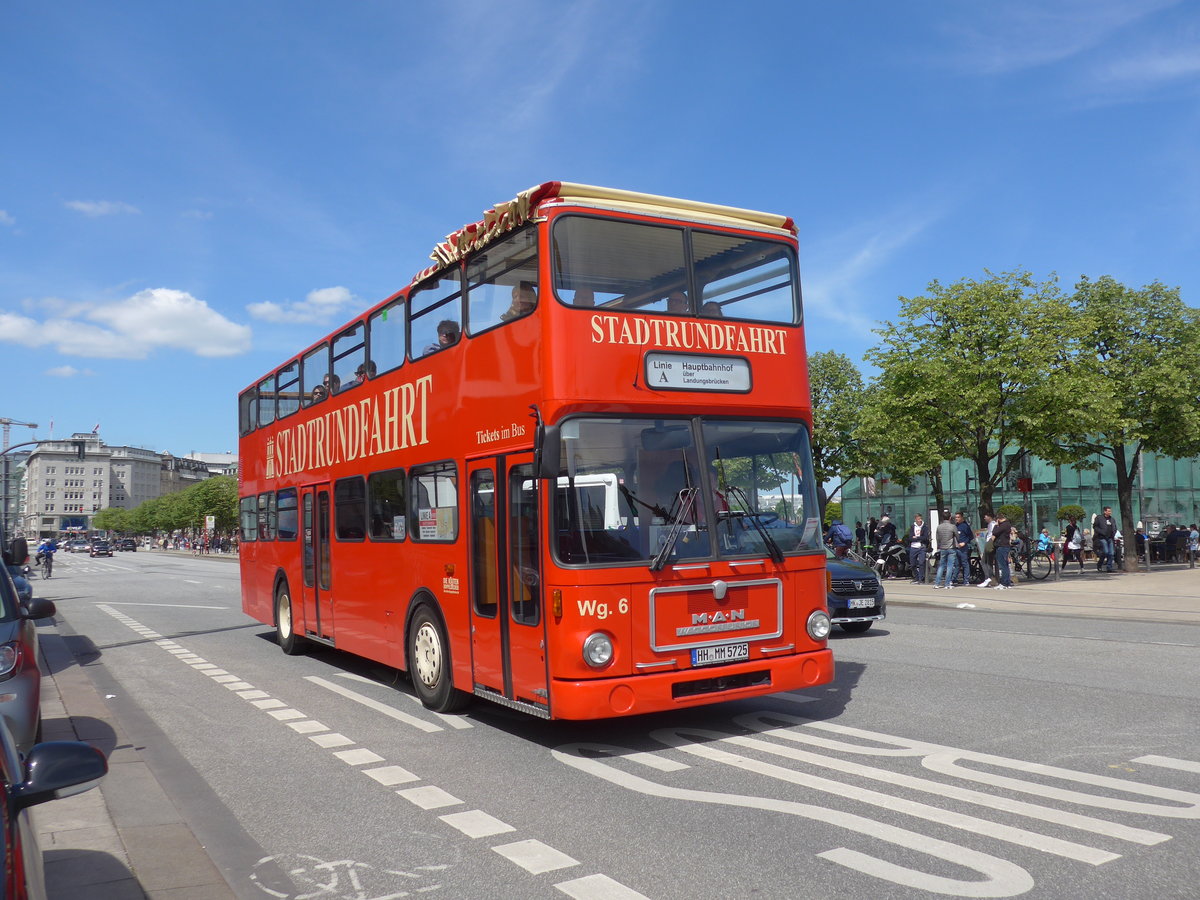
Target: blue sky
{"type": "Point", "coordinates": [193, 191]}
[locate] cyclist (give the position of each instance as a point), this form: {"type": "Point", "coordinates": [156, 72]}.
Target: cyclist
{"type": "Point", "coordinates": [46, 554]}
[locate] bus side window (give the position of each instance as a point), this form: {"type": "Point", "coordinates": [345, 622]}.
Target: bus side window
{"type": "Point", "coordinates": [433, 502]}
{"type": "Point", "coordinates": [266, 517]}
{"type": "Point", "coordinates": [248, 518]}
{"type": "Point", "coordinates": [248, 411]}
{"type": "Point", "coordinates": [502, 282]}
{"type": "Point", "coordinates": [385, 340]}
{"type": "Point", "coordinates": [315, 376]}
{"type": "Point", "coordinates": [350, 356]}
{"type": "Point", "coordinates": [385, 501]}
{"type": "Point", "coordinates": [288, 390]}
{"type": "Point", "coordinates": [350, 508]}
{"type": "Point", "coordinates": [266, 401]}
{"type": "Point", "coordinates": [289, 520]}
{"type": "Point", "coordinates": [435, 314]}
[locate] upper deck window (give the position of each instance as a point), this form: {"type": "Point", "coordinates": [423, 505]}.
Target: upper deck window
{"type": "Point", "coordinates": [350, 356]}
{"type": "Point", "coordinates": [247, 411]}
{"type": "Point", "coordinates": [386, 340]}
{"type": "Point", "coordinates": [288, 389]}
{"type": "Point", "coordinates": [266, 401]}
{"type": "Point", "coordinates": [620, 265]}
{"type": "Point", "coordinates": [743, 278]}
{"type": "Point", "coordinates": [315, 377]}
{"type": "Point", "coordinates": [435, 314]}
{"type": "Point", "coordinates": [502, 282]}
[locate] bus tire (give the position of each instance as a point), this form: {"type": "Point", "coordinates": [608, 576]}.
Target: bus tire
{"type": "Point", "coordinates": [429, 662]}
{"type": "Point", "coordinates": [285, 623]}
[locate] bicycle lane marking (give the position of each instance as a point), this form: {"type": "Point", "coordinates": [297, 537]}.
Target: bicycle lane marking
{"type": "Point", "coordinates": [534, 856]}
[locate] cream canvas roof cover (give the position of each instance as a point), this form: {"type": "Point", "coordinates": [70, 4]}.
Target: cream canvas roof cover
{"type": "Point", "coordinates": [511, 214]}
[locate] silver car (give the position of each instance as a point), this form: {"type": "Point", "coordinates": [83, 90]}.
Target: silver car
{"type": "Point", "coordinates": [20, 679]}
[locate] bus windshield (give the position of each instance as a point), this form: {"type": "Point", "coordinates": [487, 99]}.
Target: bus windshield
{"type": "Point", "coordinates": [656, 268]}
{"type": "Point", "coordinates": [628, 488]}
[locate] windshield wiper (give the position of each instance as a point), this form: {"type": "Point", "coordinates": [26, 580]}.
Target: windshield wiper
{"type": "Point", "coordinates": [773, 549]}
{"type": "Point", "coordinates": [687, 502]}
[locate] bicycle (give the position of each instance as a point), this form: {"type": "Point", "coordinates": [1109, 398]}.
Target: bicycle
{"type": "Point", "coordinates": [1037, 564]}
{"type": "Point", "coordinates": [47, 564]}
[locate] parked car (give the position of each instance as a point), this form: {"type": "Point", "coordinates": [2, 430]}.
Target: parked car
{"type": "Point", "coordinates": [20, 678]}
{"type": "Point", "coordinates": [854, 594]}
{"type": "Point", "coordinates": [100, 548]}
{"type": "Point", "coordinates": [50, 771]}
{"type": "Point", "coordinates": [77, 546]}
{"type": "Point", "coordinates": [127, 544]}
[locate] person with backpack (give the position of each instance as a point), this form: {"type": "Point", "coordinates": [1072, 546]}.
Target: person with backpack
{"type": "Point", "coordinates": [839, 538]}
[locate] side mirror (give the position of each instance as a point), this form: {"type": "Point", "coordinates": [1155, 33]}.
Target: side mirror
{"type": "Point", "coordinates": [58, 769]}
{"type": "Point", "coordinates": [38, 608]}
{"type": "Point", "coordinates": [549, 451]}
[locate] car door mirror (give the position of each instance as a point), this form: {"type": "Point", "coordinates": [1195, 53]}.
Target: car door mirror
{"type": "Point", "coordinates": [38, 608]}
{"type": "Point", "coordinates": [58, 769]}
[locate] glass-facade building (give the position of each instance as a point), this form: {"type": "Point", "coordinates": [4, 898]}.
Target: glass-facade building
{"type": "Point", "coordinates": [1166, 492]}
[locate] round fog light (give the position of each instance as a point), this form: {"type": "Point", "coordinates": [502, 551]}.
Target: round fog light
{"type": "Point", "coordinates": [819, 625]}
{"type": "Point", "coordinates": [598, 650]}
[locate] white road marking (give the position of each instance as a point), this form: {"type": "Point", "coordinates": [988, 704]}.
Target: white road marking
{"type": "Point", "coordinates": [535, 857]}
{"type": "Point", "coordinates": [971, 824]}
{"type": "Point", "coordinates": [308, 726]}
{"type": "Point", "coordinates": [333, 739]}
{"type": "Point", "coordinates": [168, 605]}
{"type": "Point", "coordinates": [391, 775]}
{"type": "Point", "coordinates": [997, 877]}
{"type": "Point", "coordinates": [270, 703]}
{"type": "Point", "coordinates": [370, 703]}
{"type": "Point", "coordinates": [429, 797]}
{"type": "Point", "coordinates": [255, 695]}
{"type": "Point", "coordinates": [1168, 762]}
{"type": "Point", "coordinates": [653, 761]}
{"type": "Point", "coordinates": [459, 722]}
{"type": "Point", "coordinates": [598, 887]}
{"type": "Point", "coordinates": [794, 698]}
{"type": "Point", "coordinates": [476, 823]}
{"type": "Point", "coordinates": [283, 715]}
{"type": "Point", "coordinates": [358, 757]}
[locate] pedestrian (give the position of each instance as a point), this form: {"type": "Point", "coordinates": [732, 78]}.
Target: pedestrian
{"type": "Point", "coordinates": [860, 537]}
{"type": "Point", "coordinates": [1074, 545]}
{"type": "Point", "coordinates": [917, 540]}
{"type": "Point", "coordinates": [1002, 538]}
{"type": "Point", "coordinates": [1193, 543]}
{"type": "Point", "coordinates": [885, 533]}
{"type": "Point", "coordinates": [987, 550]}
{"type": "Point", "coordinates": [962, 546]}
{"type": "Point", "coordinates": [1104, 532]}
{"type": "Point", "coordinates": [946, 541]}
{"type": "Point", "coordinates": [839, 538]}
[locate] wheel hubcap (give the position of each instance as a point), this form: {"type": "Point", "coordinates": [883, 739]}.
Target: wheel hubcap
{"type": "Point", "coordinates": [285, 616]}
{"type": "Point", "coordinates": [427, 655]}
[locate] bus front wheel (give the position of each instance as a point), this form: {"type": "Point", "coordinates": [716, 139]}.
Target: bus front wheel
{"type": "Point", "coordinates": [285, 624]}
{"type": "Point", "coordinates": [429, 663]}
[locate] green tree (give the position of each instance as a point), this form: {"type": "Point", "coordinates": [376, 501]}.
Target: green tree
{"type": "Point", "coordinates": [112, 518]}
{"type": "Point", "coordinates": [1140, 356]}
{"type": "Point", "coordinates": [976, 370]}
{"type": "Point", "coordinates": [837, 399]}
{"type": "Point", "coordinates": [216, 497]}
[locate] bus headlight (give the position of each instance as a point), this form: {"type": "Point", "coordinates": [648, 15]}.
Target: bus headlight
{"type": "Point", "coordinates": [819, 625]}
{"type": "Point", "coordinates": [598, 650]}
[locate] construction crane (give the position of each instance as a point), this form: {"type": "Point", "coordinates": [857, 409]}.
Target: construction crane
{"type": "Point", "coordinates": [8, 423]}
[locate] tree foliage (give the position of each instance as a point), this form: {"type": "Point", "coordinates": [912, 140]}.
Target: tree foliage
{"type": "Point", "coordinates": [180, 510]}
{"type": "Point", "coordinates": [837, 400]}
{"type": "Point", "coordinates": [975, 370]}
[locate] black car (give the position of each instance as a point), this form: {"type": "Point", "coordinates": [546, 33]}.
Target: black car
{"type": "Point", "coordinates": [49, 771]}
{"type": "Point", "coordinates": [100, 548]}
{"type": "Point", "coordinates": [127, 544]}
{"type": "Point", "coordinates": [854, 594]}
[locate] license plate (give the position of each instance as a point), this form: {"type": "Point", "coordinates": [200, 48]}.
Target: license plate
{"type": "Point", "coordinates": [862, 603]}
{"type": "Point", "coordinates": [726, 653]}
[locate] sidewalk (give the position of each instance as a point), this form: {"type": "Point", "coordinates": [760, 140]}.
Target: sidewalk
{"type": "Point", "coordinates": [124, 840]}
{"type": "Point", "coordinates": [1168, 593]}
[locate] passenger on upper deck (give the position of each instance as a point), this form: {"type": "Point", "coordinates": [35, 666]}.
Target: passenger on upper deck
{"type": "Point", "coordinates": [448, 333]}
{"type": "Point", "coordinates": [712, 309]}
{"type": "Point", "coordinates": [677, 302]}
{"type": "Point", "coordinates": [524, 299]}
{"type": "Point", "coordinates": [584, 297]}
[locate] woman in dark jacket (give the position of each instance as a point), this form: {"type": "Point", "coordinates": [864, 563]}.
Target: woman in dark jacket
{"type": "Point", "coordinates": [1002, 539]}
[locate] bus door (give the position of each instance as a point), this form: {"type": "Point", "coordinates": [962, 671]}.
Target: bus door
{"type": "Point", "coordinates": [508, 631]}
{"type": "Point", "coordinates": [318, 574]}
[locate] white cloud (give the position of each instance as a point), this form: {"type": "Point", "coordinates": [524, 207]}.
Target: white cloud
{"type": "Point", "coordinates": [132, 328]}
{"type": "Point", "coordinates": [67, 372]}
{"type": "Point", "coordinates": [1015, 36]}
{"type": "Point", "coordinates": [319, 306]}
{"type": "Point", "coordinates": [96, 208]}
{"type": "Point", "coordinates": [6, 219]}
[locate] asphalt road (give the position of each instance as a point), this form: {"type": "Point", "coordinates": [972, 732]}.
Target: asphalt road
{"type": "Point", "coordinates": [958, 753]}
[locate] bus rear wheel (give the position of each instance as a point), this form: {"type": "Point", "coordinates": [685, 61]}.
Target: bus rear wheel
{"type": "Point", "coordinates": [429, 663]}
{"type": "Point", "coordinates": [285, 624]}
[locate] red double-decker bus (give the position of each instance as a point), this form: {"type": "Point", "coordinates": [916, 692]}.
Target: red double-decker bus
{"type": "Point", "coordinates": [566, 469]}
